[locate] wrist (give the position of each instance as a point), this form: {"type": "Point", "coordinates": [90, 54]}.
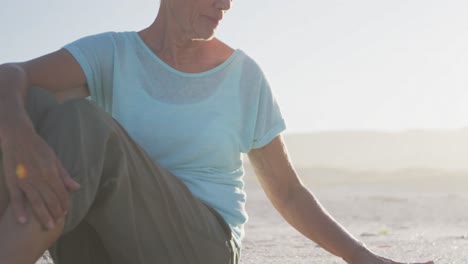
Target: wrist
{"type": "Point", "coordinates": [11, 124]}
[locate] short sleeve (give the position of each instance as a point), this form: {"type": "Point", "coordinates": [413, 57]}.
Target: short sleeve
{"type": "Point", "coordinates": [269, 121]}
{"type": "Point", "coordinates": [95, 54]}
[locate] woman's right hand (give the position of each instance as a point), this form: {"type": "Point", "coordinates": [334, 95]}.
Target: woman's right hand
{"type": "Point", "coordinates": [34, 175]}
{"type": "Point", "coordinates": [366, 256]}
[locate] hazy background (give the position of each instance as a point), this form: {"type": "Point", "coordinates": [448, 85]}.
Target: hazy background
{"type": "Point", "coordinates": [375, 85]}
{"type": "Point", "coordinates": [364, 64]}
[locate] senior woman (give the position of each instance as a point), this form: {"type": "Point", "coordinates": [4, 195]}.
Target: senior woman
{"type": "Point", "coordinates": [164, 183]}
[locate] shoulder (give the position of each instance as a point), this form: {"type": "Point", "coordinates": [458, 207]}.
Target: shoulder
{"type": "Point", "coordinates": [251, 69]}
{"type": "Point", "coordinates": [99, 36]}
{"type": "Point", "coordinates": [104, 38]}
{"type": "Point", "coordinates": [251, 65]}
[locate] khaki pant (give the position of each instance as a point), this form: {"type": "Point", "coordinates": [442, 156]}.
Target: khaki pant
{"type": "Point", "coordinates": [129, 209]}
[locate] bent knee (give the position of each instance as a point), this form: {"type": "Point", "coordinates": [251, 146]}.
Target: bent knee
{"type": "Point", "coordinates": [82, 109]}
{"type": "Point", "coordinates": [73, 114]}
{"type": "Point", "coordinates": [38, 103]}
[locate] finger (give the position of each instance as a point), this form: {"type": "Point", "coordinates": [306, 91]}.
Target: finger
{"type": "Point", "coordinates": [17, 204]}
{"type": "Point", "coordinates": [15, 193]}
{"type": "Point", "coordinates": [428, 262]}
{"type": "Point", "coordinates": [389, 261]}
{"type": "Point", "coordinates": [39, 207]}
{"type": "Point", "coordinates": [67, 179]}
{"type": "Point", "coordinates": [51, 201]}
{"type": "Point", "coordinates": [394, 262]}
{"type": "Point", "coordinates": [58, 186]}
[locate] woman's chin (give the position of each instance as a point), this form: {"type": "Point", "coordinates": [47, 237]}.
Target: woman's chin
{"type": "Point", "coordinates": [205, 34]}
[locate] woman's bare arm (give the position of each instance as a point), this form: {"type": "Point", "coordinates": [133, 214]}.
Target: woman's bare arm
{"type": "Point", "coordinates": [296, 203]}
{"type": "Point", "coordinates": [60, 74]}
{"type": "Point", "coordinates": [302, 210]}
{"type": "Point", "coordinates": [57, 72]}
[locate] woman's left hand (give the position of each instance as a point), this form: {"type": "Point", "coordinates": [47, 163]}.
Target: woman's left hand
{"type": "Point", "coordinates": [368, 257]}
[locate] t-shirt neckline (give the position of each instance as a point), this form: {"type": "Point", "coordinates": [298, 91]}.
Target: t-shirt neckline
{"type": "Point", "coordinates": [181, 73]}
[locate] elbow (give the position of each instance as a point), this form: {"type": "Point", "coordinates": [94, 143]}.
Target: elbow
{"type": "Point", "coordinates": [12, 70]}
{"type": "Point", "coordinates": [13, 74]}
{"type": "Point", "coordinates": [15, 66]}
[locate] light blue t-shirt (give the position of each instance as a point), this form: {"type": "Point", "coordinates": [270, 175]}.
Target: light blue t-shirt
{"type": "Point", "coordinates": [194, 125]}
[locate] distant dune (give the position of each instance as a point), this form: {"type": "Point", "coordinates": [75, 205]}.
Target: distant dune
{"type": "Point", "coordinates": [380, 151]}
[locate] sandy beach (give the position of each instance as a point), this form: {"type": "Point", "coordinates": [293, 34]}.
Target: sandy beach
{"type": "Point", "coordinates": [407, 215]}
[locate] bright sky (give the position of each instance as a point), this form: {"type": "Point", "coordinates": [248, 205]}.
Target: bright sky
{"type": "Point", "coordinates": [362, 64]}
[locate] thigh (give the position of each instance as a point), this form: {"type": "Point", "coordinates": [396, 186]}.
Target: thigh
{"type": "Point", "coordinates": [81, 245]}
{"type": "Point", "coordinates": [147, 215]}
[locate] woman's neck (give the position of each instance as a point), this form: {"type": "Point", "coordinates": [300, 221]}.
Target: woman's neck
{"type": "Point", "coordinates": [181, 52]}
